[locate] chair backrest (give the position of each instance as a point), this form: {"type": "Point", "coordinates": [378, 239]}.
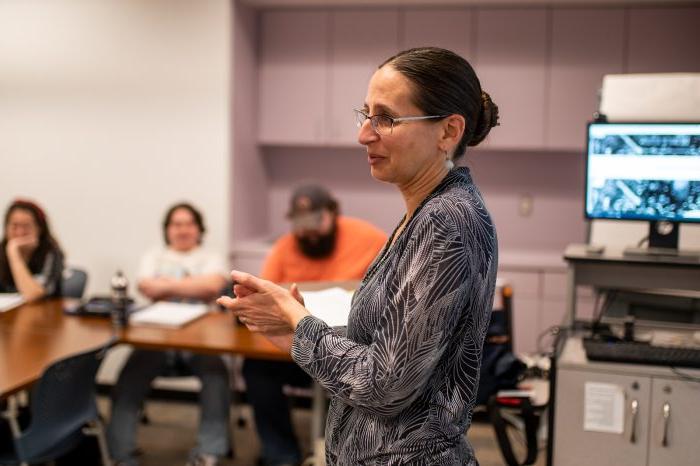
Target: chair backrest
{"type": "Point", "coordinates": [62, 402]}
{"type": "Point", "coordinates": [73, 283]}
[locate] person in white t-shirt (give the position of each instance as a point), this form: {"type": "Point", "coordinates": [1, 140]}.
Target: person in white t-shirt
{"type": "Point", "coordinates": [180, 271]}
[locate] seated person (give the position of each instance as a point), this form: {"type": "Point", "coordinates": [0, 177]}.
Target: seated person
{"type": "Point", "coordinates": [181, 271]}
{"type": "Point", "coordinates": [323, 246]}
{"type": "Point", "coordinates": [31, 262]}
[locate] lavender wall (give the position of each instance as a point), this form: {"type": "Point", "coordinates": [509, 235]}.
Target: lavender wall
{"type": "Point", "coordinates": [554, 182]}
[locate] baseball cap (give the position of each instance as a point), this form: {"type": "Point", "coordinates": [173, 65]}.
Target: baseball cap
{"type": "Point", "coordinates": [309, 198]}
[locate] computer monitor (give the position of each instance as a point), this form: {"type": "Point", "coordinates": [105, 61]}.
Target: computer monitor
{"type": "Point", "coordinates": [645, 171]}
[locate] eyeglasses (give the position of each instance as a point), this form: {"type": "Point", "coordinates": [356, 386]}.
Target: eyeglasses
{"type": "Point", "coordinates": [310, 220]}
{"type": "Point", "coordinates": [383, 125]}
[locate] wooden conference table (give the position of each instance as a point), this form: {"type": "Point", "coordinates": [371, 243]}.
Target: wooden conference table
{"type": "Point", "coordinates": [33, 336]}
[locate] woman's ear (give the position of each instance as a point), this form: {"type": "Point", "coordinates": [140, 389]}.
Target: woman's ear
{"type": "Point", "coordinates": [452, 131]}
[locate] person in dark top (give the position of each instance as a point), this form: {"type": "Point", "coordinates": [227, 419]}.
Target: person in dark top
{"type": "Point", "coordinates": [403, 374]}
{"type": "Point", "coordinates": [31, 262]}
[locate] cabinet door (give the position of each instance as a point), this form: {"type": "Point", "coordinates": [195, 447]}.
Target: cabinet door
{"type": "Point", "coordinates": [682, 447]}
{"type": "Point", "coordinates": [586, 44]}
{"type": "Point", "coordinates": [553, 300]}
{"type": "Point", "coordinates": [361, 40]}
{"type": "Point", "coordinates": [293, 81]}
{"type": "Point", "coordinates": [664, 40]}
{"type": "Point", "coordinates": [526, 308]}
{"type": "Point", "coordinates": [574, 446]}
{"type": "Point", "coordinates": [449, 28]}
{"type": "Point", "coordinates": [511, 64]}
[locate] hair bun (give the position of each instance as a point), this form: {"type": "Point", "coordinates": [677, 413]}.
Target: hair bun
{"type": "Point", "coordinates": [488, 118]}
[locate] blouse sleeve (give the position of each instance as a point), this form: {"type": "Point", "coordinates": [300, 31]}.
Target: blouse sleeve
{"type": "Point", "coordinates": [51, 274]}
{"type": "Point", "coordinates": [420, 311]}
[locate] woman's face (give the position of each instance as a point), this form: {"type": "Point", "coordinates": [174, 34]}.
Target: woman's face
{"type": "Point", "coordinates": [182, 231]}
{"type": "Point", "coordinates": [21, 224]}
{"type": "Point", "coordinates": [411, 150]}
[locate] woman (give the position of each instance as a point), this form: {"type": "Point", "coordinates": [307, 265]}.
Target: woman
{"type": "Point", "coordinates": [403, 375]}
{"type": "Point", "coordinates": [31, 262]}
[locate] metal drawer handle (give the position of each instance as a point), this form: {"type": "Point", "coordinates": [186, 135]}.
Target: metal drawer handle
{"type": "Point", "coordinates": [635, 412]}
{"type": "Point", "coordinates": [667, 417]}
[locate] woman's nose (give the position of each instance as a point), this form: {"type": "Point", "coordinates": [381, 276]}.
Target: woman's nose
{"type": "Point", "coordinates": [366, 133]}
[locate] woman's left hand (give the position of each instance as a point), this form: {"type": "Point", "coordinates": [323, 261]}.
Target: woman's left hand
{"type": "Point", "coordinates": [23, 245]}
{"type": "Point", "coordinates": [264, 306]}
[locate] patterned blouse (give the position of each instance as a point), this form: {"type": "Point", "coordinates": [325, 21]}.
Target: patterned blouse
{"type": "Point", "coordinates": [403, 380]}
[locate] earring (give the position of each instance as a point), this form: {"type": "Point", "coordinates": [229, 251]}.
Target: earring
{"type": "Point", "coordinates": [449, 164]}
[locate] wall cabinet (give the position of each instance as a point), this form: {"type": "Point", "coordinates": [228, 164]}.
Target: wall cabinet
{"type": "Point", "coordinates": [314, 69]}
{"type": "Point", "coordinates": [360, 40]}
{"type": "Point", "coordinates": [450, 28]}
{"type": "Point", "coordinates": [542, 66]}
{"type": "Point", "coordinates": [652, 388]}
{"type": "Point", "coordinates": [511, 58]}
{"type": "Point", "coordinates": [293, 77]}
{"type": "Point", "coordinates": [586, 44]}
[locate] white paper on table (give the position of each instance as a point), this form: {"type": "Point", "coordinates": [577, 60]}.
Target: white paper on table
{"type": "Point", "coordinates": [10, 301]}
{"type": "Point", "coordinates": [603, 408]}
{"type": "Point", "coordinates": [331, 305]}
{"type": "Point", "coordinates": [167, 314]}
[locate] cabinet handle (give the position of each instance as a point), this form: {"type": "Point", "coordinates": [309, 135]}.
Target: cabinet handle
{"type": "Point", "coordinates": [667, 417]}
{"type": "Point", "coordinates": [635, 412]}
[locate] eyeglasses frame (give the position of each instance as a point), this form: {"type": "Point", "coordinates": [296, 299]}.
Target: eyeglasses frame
{"type": "Point", "coordinates": [373, 119]}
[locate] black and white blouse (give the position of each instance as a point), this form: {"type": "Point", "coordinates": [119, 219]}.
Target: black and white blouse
{"type": "Point", "coordinates": [403, 380]}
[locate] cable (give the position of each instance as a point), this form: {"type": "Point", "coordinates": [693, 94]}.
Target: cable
{"type": "Point", "coordinates": [553, 331]}
{"type": "Point", "coordinates": [642, 241]}
{"type": "Point", "coordinates": [610, 295]}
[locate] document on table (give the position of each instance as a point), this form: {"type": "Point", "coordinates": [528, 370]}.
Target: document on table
{"type": "Point", "coordinates": [167, 314]}
{"type": "Point", "coordinates": [10, 301]}
{"type": "Point", "coordinates": [331, 305]}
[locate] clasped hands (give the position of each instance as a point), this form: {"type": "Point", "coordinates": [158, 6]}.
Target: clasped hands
{"type": "Point", "coordinates": [265, 307]}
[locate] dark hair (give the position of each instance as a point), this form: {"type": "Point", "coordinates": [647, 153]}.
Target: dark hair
{"type": "Point", "coordinates": [445, 84]}
{"type": "Point", "coordinates": [196, 214]}
{"type": "Point", "coordinates": [47, 243]}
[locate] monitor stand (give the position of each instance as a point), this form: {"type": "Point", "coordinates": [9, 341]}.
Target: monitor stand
{"type": "Point", "coordinates": [663, 245]}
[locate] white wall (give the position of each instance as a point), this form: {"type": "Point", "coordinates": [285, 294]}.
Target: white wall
{"type": "Point", "coordinates": [111, 110]}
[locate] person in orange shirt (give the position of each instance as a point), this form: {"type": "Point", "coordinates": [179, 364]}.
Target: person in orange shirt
{"type": "Point", "coordinates": [322, 246]}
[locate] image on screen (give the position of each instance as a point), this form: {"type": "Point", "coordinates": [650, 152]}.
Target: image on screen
{"type": "Point", "coordinates": [643, 171]}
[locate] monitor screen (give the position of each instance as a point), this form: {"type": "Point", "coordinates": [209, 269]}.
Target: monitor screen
{"type": "Point", "coordinates": [643, 171]}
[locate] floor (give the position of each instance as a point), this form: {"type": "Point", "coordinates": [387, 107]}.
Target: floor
{"type": "Point", "coordinates": [171, 432]}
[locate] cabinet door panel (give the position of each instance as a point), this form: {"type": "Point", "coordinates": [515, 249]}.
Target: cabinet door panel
{"type": "Point", "coordinates": [554, 285]}
{"type": "Point", "coordinates": [586, 44]}
{"type": "Point", "coordinates": [664, 40]}
{"type": "Point", "coordinates": [576, 447]}
{"type": "Point", "coordinates": [683, 448]}
{"type": "Point", "coordinates": [361, 40]}
{"type": "Point", "coordinates": [510, 62]}
{"type": "Point", "coordinates": [449, 28]}
{"type": "Point", "coordinates": [526, 307]}
{"type": "Point", "coordinates": [293, 67]}
{"type": "Point", "coordinates": [525, 317]}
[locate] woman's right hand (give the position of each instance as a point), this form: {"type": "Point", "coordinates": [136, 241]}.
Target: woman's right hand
{"type": "Point", "coordinates": [264, 306]}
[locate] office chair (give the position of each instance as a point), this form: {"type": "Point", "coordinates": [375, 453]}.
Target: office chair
{"type": "Point", "coordinates": [73, 283]}
{"type": "Point", "coordinates": [63, 409]}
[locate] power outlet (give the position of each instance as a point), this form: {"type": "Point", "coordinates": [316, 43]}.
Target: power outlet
{"type": "Point", "coordinates": [525, 205]}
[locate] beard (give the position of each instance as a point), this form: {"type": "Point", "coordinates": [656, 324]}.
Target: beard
{"type": "Point", "coordinates": [320, 246]}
